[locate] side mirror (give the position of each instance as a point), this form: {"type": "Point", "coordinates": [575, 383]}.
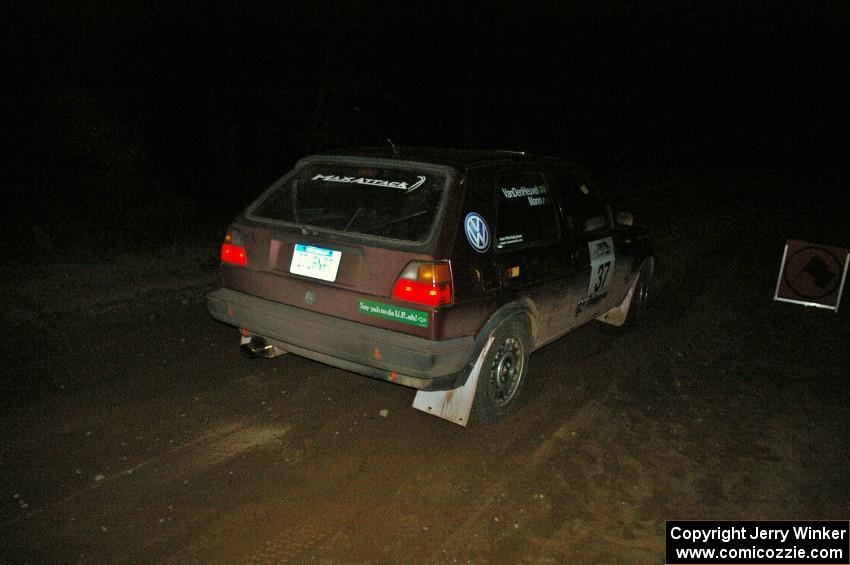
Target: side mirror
{"type": "Point", "coordinates": [595, 223]}
{"type": "Point", "coordinates": [624, 218]}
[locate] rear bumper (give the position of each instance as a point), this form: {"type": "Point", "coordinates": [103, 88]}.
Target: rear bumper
{"type": "Point", "coordinates": [375, 352]}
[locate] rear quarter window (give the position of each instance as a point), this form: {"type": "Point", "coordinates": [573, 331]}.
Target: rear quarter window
{"type": "Point", "coordinates": [526, 211]}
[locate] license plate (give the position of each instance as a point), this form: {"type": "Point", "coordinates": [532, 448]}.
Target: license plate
{"type": "Point", "coordinates": [315, 262]}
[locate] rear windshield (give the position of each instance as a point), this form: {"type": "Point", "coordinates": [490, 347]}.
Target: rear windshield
{"type": "Point", "coordinates": [397, 203]}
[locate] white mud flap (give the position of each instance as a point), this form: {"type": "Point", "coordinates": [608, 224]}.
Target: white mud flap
{"type": "Point", "coordinates": [616, 316]}
{"type": "Point", "coordinates": [453, 405]}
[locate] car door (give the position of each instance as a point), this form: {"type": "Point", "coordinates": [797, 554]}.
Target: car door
{"type": "Point", "coordinates": [597, 250]}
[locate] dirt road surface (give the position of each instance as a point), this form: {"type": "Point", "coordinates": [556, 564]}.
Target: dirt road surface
{"type": "Point", "coordinates": [133, 431]}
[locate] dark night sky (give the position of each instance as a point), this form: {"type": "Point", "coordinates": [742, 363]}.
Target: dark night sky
{"type": "Point", "coordinates": [219, 99]}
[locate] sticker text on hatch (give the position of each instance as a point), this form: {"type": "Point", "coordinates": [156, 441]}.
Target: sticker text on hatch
{"type": "Point", "coordinates": [394, 313]}
{"type": "Point", "coordinates": [373, 182]}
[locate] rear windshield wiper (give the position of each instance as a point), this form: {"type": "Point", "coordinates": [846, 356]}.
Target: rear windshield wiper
{"type": "Point", "coordinates": [295, 200]}
{"type": "Point", "coordinates": [351, 221]}
{"type": "Point", "coordinates": [397, 220]}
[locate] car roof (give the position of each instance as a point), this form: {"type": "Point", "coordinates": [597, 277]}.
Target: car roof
{"type": "Point", "coordinates": [453, 157]}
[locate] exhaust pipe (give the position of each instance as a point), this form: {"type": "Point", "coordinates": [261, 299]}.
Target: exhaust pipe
{"type": "Point", "coordinates": [258, 347]}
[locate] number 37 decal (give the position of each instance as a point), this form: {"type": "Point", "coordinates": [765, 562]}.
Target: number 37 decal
{"type": "Point", "coordinates": [601, 264]}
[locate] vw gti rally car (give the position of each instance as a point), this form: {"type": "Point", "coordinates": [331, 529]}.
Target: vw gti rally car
{"type": "Point", "coordinates": [419, 265]}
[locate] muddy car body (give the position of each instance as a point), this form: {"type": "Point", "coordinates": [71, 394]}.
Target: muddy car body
{"type": "Point", "coordinates": [401, 266]}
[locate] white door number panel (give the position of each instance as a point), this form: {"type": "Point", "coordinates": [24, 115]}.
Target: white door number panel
{"type": "Point", "coordinates": [601, 264]}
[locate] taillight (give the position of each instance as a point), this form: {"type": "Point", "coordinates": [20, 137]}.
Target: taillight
{"type": "Point", "coordinates": [232, 250]}
{"type": "Point", "coordinates": [425, 282]}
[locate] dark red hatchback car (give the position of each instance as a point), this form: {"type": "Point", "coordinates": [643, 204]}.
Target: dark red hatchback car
{"type": "Point", "coordinates": [427, 267]}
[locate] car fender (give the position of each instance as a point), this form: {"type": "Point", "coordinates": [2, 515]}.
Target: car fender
{"type": "Point", "coordinates": [522, 308]}
{"type": "Point", "coordinates": [637, 266]}
{"type": "Point", "coordinates": [648, 260]}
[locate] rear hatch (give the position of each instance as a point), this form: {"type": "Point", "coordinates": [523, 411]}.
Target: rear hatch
{"type": "Point", "coordinates": [336, 235]}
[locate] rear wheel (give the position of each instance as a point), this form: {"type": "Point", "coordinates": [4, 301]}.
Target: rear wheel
{"type": "Point", "coordinates": [640, 298]}
{"type": "Point", "coordinates": [503, 372]}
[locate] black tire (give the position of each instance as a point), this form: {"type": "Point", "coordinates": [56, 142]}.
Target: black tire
{"type": "Point", "coordinates": [640, 299]}
{"type": "Point", "coordinates": [503, 372]}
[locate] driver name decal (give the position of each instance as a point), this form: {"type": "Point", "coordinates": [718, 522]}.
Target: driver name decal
{"type": "Point", "coordinates": [532, 193]}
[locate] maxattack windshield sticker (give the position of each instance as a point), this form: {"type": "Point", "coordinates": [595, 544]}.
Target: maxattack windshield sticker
{"type": "Point", "coordinates": [401, 185]}
{"type": "Point", "coordinates": [477, 232]}
{"type": "Point", "coordinates": [394, 313]}
{"type": "Point", "coordinates": [601, 265]}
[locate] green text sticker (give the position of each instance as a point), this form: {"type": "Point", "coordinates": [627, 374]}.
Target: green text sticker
{"type": "Point", "coordinates": [395, 313]}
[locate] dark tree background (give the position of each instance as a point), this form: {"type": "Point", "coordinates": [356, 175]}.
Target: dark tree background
{"type": "Point", "coordinates": [129, 122]}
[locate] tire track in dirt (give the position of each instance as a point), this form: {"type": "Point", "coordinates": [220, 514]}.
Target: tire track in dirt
{"type": "Point", "coordinates": [87, 510]}
{"type": "Point", "coordinates": [352, 494]}
{"type": "Point", "coordinates": [457, 545]}
{"type": "Point", "coordinates": [225, 433]}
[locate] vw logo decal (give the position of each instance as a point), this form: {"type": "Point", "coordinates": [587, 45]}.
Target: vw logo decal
{"type": "Point", "coordinates": [477, 232]}
{"type": "Point", "coordinates": [310, 297]}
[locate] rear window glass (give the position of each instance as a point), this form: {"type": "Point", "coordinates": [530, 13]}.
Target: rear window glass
{"type": "Point", "coordinates": [396, 203]}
